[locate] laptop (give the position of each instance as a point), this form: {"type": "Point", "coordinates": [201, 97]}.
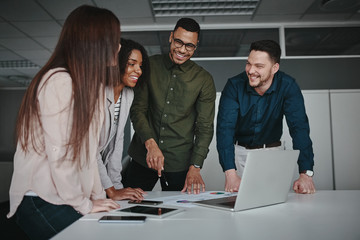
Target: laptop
{"type": "Point", "coordinates": [266, 180]}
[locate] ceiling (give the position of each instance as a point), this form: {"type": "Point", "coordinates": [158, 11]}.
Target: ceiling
{"type": "Point", "coordinates": [29, 29]}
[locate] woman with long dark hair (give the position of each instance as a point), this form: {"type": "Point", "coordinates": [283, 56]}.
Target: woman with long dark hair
{"type": "Point", "coordinates": [56, 179]}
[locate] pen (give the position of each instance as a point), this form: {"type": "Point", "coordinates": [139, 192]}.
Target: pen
{"type": "Point", "coordinates": [164, 178]}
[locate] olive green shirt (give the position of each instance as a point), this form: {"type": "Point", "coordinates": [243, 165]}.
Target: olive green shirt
{"type": "Point", "coordinates": [176, 107]}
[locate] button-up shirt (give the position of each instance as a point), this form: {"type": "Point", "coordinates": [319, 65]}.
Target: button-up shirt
{"type": "Point", "coordinates": [176, 107]}
{"type": "Point", "coordinates": [248, 118]}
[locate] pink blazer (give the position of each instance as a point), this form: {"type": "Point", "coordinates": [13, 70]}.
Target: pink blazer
{"type": "Point", "coordinates": [54, 181]}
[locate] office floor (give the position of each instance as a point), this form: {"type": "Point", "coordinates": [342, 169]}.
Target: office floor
{"type": "Point", "coordinates": [8, 227]}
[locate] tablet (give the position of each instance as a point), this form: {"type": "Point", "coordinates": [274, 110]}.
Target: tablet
{"type": "Point", "coordinates": [157, 212]}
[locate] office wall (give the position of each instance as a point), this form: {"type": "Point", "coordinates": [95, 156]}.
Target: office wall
{"type": "Point", "coordinates": [345, 114]}
{"type": "Point", "coordinates": [9, 104]}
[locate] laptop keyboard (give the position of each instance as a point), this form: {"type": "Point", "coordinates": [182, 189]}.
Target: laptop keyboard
{"type": "Point", "coordinates": [230, 201]}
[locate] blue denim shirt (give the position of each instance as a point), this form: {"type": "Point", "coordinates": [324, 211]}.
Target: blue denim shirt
{"type": "Point", "coordinates": [251, 119]}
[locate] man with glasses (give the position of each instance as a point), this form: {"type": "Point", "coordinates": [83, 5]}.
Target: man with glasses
{"type": "Point", "coordinates": [173, 116]}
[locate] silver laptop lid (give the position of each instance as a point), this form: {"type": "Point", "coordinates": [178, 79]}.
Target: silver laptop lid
{"type": "Point", "coordinates": [267, 178]}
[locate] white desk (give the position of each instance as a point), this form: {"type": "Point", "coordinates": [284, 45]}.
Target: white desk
{"type": "Point", "coordinates": [323, 215]}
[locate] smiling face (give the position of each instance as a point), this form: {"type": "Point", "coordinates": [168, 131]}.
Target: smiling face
{"type": "Point", "coordinates": [179, 55]}
{"type": "Point", "coordinates": [260, 70]}
{"type": "Point", "coordinates": [133, 69]}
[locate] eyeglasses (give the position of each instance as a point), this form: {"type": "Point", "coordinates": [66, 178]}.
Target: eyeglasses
{"type": "Point", "coordinates": [188, 46]}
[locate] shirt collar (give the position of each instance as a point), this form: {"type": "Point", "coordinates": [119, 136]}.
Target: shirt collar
{"type": "Point", "coordinates": [169, 64]}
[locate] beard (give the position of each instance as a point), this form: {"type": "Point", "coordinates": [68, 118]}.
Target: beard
{"type": "Point", "coordinates": [261, 81]}
{"type": "Point", "coordinates": [259, 84]}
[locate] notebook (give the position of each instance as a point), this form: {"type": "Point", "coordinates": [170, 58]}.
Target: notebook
{"type": "Point", "coordinates": [266, 180]}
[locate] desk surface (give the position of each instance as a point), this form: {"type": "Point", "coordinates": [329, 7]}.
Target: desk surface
{"type": "Point", "coordinates": [323, 215]}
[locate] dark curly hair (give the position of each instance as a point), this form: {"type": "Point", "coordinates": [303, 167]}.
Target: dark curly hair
{"type": "Point", "coordinates": [127, 46]}
{"type": "Point", "coordinates": [189, 25]}
{"type": "Point", "coordinates": [269, 46]}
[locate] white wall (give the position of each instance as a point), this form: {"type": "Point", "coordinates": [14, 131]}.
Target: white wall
{"type": "Point", "coordinates": [345, 114]}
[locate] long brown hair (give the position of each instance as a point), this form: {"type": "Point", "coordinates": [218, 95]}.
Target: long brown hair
{"type": "Point", "coordinates": [87, 47]}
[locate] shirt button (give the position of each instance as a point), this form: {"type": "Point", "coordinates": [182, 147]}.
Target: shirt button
{"type": "Point", "coordinates": [174, 75]}
{"type": "Point", "coordinates": [165, 115]}
{"type": "Point", "coordinates": [171, 89]}
{"type": "Point", "coordinates": [162, 128]}
{"type": "Point", "coordinates": [161, 141]}
{"type": "Point", "coordinates": [168, 102]}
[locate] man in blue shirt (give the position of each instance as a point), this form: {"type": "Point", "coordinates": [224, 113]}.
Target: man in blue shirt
{"type": "Point", "coordinates": [251, 110]}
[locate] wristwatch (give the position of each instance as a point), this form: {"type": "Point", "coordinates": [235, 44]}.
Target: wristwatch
{"type": "Point", "coordinates": [308, 173]}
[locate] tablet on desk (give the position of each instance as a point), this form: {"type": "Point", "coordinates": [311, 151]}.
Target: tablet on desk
{"type": "Point", "coordinates": [157, 212]}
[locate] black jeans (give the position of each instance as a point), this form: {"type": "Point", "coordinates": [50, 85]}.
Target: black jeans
{"type": "Point", "coordinates": [42, 220]}
{"type": "Point", "coordinates": [137, 176]}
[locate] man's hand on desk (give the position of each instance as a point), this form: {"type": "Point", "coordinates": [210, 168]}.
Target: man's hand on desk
{"type": "Point", "coordinates": [194, 181]}
{"type": "Point", "coordinates": [232, 181]}
{"type": "Point", "coordinates": [154, 156]}
{"type": "Point", "coordinates": [125, 193]}
{"type": "Point", "coordinates": [304, 184]}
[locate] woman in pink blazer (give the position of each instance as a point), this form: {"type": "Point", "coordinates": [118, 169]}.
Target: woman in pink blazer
{"type": "Point", "coordinates": [56, 178]}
